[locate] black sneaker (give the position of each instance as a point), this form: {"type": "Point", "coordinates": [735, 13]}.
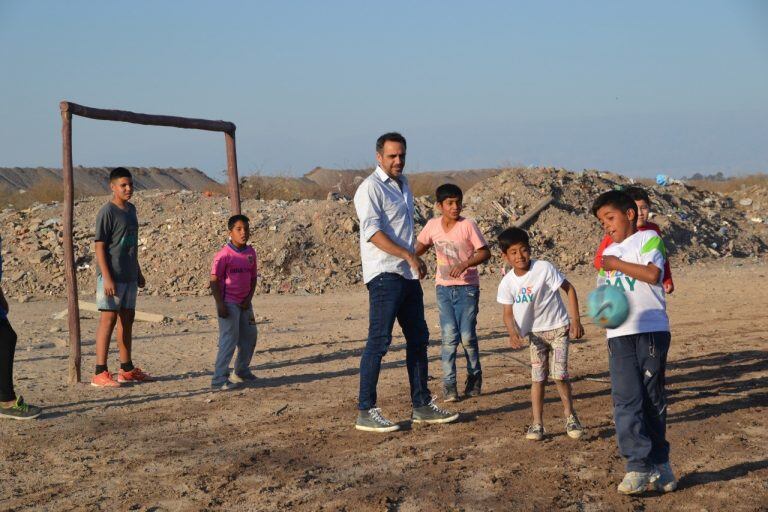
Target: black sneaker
{"type": "Point", "coordinates": [20, 410]}
{"type": "Point", "coordinates": [431, 413]}
{"type": "Point", "coordinates": [450, 393]}
{"type": "Point", "coordinates": [373, 421]}
{"type": "Point", "coordinates": [474, 383]}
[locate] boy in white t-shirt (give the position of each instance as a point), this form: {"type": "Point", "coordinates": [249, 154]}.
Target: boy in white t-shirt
{"type": "Point", "coordinates": [637, 349]}
{"type": "Point", "coordinates": [530, 293]}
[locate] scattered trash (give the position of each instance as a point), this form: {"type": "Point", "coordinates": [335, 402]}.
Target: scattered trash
{"type": "Point", "coordinates": [662, 179]}
{"type": "Point", "coordinates": [745, 202]}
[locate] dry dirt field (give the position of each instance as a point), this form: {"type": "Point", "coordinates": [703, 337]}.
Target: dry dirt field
{"type": "Point", "coordinates": [288, 443]}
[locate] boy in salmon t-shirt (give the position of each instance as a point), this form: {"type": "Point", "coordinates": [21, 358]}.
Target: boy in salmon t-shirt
{"type": "Point", "coordinates": [643, 203]}
{"type": "Point", "coordinates": [233, 281]}
{"type": "Point", "coordinates": [459, 247]}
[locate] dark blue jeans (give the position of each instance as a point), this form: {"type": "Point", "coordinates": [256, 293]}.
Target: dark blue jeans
{"type": "Point", "coordinates": [7, 351]}
{"type": "Point", "coordinates": [458, 324]}
{"type": "Point", "coordinates": [638, 363]}
{"type": "Point", "coordinates": [391, 297]}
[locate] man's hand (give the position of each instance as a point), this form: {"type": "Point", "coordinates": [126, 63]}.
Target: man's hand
{"type": "Point", "coordinates": [515, 341]}
{"type": "Point", "coordinates": [417, 265]}
{"type": "Point", "coordinates": [610, 262]}
{"type": "Point", "coordinates": [109, 285]}
{"type": "Point", "coordinates": [458, 269]}
{"type": "Point", "coordinates": [576, 330]}
{"type": "Point", "coordinates": [669, 287]}
{"type": "Point", "coordinates": [221, 310]}
{"type": "Point", "coordinates": [140, 281]}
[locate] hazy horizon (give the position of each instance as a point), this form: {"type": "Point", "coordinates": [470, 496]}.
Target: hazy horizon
{"type": "Point", "coordinates": [674, 88]}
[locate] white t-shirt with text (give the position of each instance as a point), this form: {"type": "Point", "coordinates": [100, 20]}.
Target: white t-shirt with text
{"type": "Point", "coordinates": [535, 298]}
{"type": "Point", "coordinates": [647, 305]}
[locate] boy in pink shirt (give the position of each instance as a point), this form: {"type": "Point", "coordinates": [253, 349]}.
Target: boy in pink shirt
{"type": "Point", "coordinates": [459, 247]}
{"type": "Point", "coordinates": [233, 281]}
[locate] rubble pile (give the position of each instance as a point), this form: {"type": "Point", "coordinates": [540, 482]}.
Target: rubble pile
{"type": "Point", "coordinates": [695, 224]}
{"type": "Point", "coordinates": [309, 246]}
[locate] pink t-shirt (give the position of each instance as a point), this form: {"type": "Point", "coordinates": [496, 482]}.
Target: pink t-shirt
{"type": "Point", "coordinates": [236, 271]}
{"type": "Point", "coordinates": [455, 246]}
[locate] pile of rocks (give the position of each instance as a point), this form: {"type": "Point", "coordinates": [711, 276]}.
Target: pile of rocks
{"type": "Point", "coordinates": [309, 246]}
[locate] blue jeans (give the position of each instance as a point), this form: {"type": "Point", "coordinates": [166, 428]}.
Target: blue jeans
{"type": "Point", "coordinates": [458, 307]}
{"type": "Point", "coordinates": [391, 297]}
{"type": "Point", "coordinates": [237, 331]}
{"type": "Point", "coordinates": [638, 363]}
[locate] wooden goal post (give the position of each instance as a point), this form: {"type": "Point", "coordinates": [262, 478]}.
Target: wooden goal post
{"type": "Point", "coordinates": [69, 109]}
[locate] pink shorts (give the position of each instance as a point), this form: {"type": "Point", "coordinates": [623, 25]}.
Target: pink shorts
{"type": "Point", "coordinates": [549, 354]}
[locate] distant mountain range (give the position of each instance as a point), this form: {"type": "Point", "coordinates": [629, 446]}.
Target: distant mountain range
{"type": "Point", "coordinates": [95, 180]}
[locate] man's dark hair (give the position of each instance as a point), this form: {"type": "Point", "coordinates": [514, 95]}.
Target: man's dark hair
{"type": "Point", "coordinates": [119, 172]}
{"type": "Point", "coordinates": [447, 190]}
{"type": "Point", "coordinates": [615, 198]}
{"type": "Point", "coordinates": [389, 137]}
{"type": "Point", "coordinates": [638, 194]}
{"type": "Point", "coordinates": [512, 236]}
{"type": "Point", "coordinates": [235, 218]}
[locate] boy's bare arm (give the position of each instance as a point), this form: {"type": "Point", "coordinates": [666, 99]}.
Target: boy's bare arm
{"type": "Point", "coordinates": [649, 273]}
{"type": "Point", "coordinates": [481, 255]}
{"type": "Point", "coordinates": [383, 242]}
{"type": "Point", "coordinates": [221, 308]}
{"type": "Point", "coordinates": [247, 302]}
{"type": "Point", "coordinates": [421, 248]}
{"type": "Point", "coordinates": [106, 277]}
{"type": "Point", "coordinates": [515, 340]}
{"type": "Point", "coordinates": [575, 329]}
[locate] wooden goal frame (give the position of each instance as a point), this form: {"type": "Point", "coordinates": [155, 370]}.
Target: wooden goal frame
{"type": "Point", "coordinates": [69, 109]}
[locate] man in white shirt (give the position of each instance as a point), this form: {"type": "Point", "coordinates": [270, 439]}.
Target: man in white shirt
{"type": "Point", "coordinates": [391, 272]}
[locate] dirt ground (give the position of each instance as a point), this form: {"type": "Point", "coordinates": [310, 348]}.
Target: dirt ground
{"type": "Point", "coordinates": [289, 441]}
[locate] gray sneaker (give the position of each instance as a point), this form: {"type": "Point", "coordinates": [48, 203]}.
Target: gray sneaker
{"type": "Point", "coordinates": [637, 482]}
{"type": "Point", "coordinates": [227, 386]}
{"type": "Point", "coordinates": [573, 427]}
{"type": "Point", "coordinates": [431, 413]}
{"type": "Point", "coordinates": [20, 410]}
{"type": "Point", "coordinates": [474, 383]}
{"type": "Point", "coordinates": [667, 481]}
{"type": "Point", "coordinates": [243, 377]}
{"type": "Point", "coordinates": [535, 432]}
{"type": "Point", "coordinates": [373, 421]}
{"type": "Point", "coordinates": [450, 393]}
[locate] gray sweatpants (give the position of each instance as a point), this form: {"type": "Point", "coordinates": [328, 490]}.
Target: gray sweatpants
{"type": "Point", "coordinates": [237, 330]}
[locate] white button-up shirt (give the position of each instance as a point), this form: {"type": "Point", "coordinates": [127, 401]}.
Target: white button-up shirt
{"type": "Point", "coordinates": [382, 206]}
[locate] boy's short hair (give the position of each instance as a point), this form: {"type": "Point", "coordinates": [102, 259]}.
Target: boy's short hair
{"type": "Point", "coordinates": [237, 218]}
{"type": "Point", "coordinates": [389, 137]}
{"type": "Point", "coordinates": [638, 194]}
{"type": "Point", "coordinates": [119, 172]}
{"type": "Point", "coordinates": [616, 198]}
{"type": "Point", "coordinates": [447, 190]}
{"type": "Point", "coordinates": [512, 236]}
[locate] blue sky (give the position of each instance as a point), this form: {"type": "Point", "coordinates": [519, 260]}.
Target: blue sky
{"type": "Point", "coordinates": [637, 88]}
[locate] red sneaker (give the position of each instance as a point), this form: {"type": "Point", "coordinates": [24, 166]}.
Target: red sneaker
{"type": "Point", "coordinates": [135, 375]}
{"type": "Point", "coordinates": [104, 380]}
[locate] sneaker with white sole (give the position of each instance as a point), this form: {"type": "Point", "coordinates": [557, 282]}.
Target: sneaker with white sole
{"type": "Point", "coordinates": [535, 432]}
{"type": "Point", "coordinates": [431, 413]}
{"type": "Point", "coordinates": [573, 427]}
{"type": "Point", "coordinates": [243, 377]}
{"type": "Point", "coordinates": [638, 482]}
{"type": "Point", "coordinates": [667, 481]}
{"type": "Point", "coordinates": [373, 421]}
{"type": "Point", "coordinates": [449, 393]}
{"type": "Point", "coordinates": [226, 386]}
{"type": "Point", "coordinates": [20, 410]}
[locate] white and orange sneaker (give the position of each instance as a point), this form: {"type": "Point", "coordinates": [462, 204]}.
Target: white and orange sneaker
{"type": "Point", "coordinates": [135, 375]}
{"type": "Point", "coordinates": [104, 380]}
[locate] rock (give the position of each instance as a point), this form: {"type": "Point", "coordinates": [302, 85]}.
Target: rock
{"type": "Point", "coordinates": [39, 256]}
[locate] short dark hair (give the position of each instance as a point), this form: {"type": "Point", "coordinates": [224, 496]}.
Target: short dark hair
{"type": "Point", "coordinates": [389, 137]}
{"type": "Point", "coordinates": [237, 218]}
{"type": "Point", "coordinates": [119, 172]}
{"type": "Point", "coordinates": [616, 198]}
{"type": "Point", "coordinates": [447, 190]}
{"type": "Point", "coordinates": [512, 236]}
{"type": "Point", "coordinates": [637, 194]}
